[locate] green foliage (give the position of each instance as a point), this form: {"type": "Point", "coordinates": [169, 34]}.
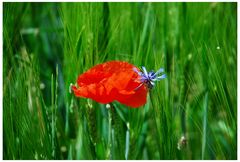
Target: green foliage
{"type": "Point", "coordinates": [192, 114]}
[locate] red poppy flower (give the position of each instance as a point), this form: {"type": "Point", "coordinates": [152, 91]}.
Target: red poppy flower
{"type": "Point", "coordinates": [110, 81]}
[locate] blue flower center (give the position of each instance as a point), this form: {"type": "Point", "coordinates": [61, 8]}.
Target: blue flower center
{"type": "Point", "coordinates": [149, 78]}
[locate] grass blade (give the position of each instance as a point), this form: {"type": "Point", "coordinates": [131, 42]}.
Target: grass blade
{"type": "Point", "coordinates": [205, 116]}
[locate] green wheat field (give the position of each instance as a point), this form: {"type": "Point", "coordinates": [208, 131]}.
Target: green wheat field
{"type": "Point", "coordinates": [192, 114]}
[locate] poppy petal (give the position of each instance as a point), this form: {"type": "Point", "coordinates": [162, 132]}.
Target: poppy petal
{"type": "Point", "coordinates": [114, 80]}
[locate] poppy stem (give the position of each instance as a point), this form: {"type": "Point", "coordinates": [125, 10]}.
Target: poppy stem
{"type": "Point", "coordinates": [110, 108]}
{"type": "Point", "coordinates": [127, 142]}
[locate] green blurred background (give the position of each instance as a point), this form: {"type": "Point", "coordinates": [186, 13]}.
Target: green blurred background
{"type": "Point", "coordinates": [191, 115]}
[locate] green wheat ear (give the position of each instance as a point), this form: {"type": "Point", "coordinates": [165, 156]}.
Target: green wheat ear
{"type": "Point", "coordinates": [119, 133]}
{"type": "Point", "coordinates": [91, 122]}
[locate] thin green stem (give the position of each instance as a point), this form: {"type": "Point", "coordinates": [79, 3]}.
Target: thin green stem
{"type": "Point", "coordinates": [204, 136]}
{"type": "Point", "coordinates": [155, 118]}
{"type": "Point", "coordinates": [127, 142]}
{"type": "Point", "coordinates": [109, 154]}
{"type": "Point", "coordinates": [53, 118]}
